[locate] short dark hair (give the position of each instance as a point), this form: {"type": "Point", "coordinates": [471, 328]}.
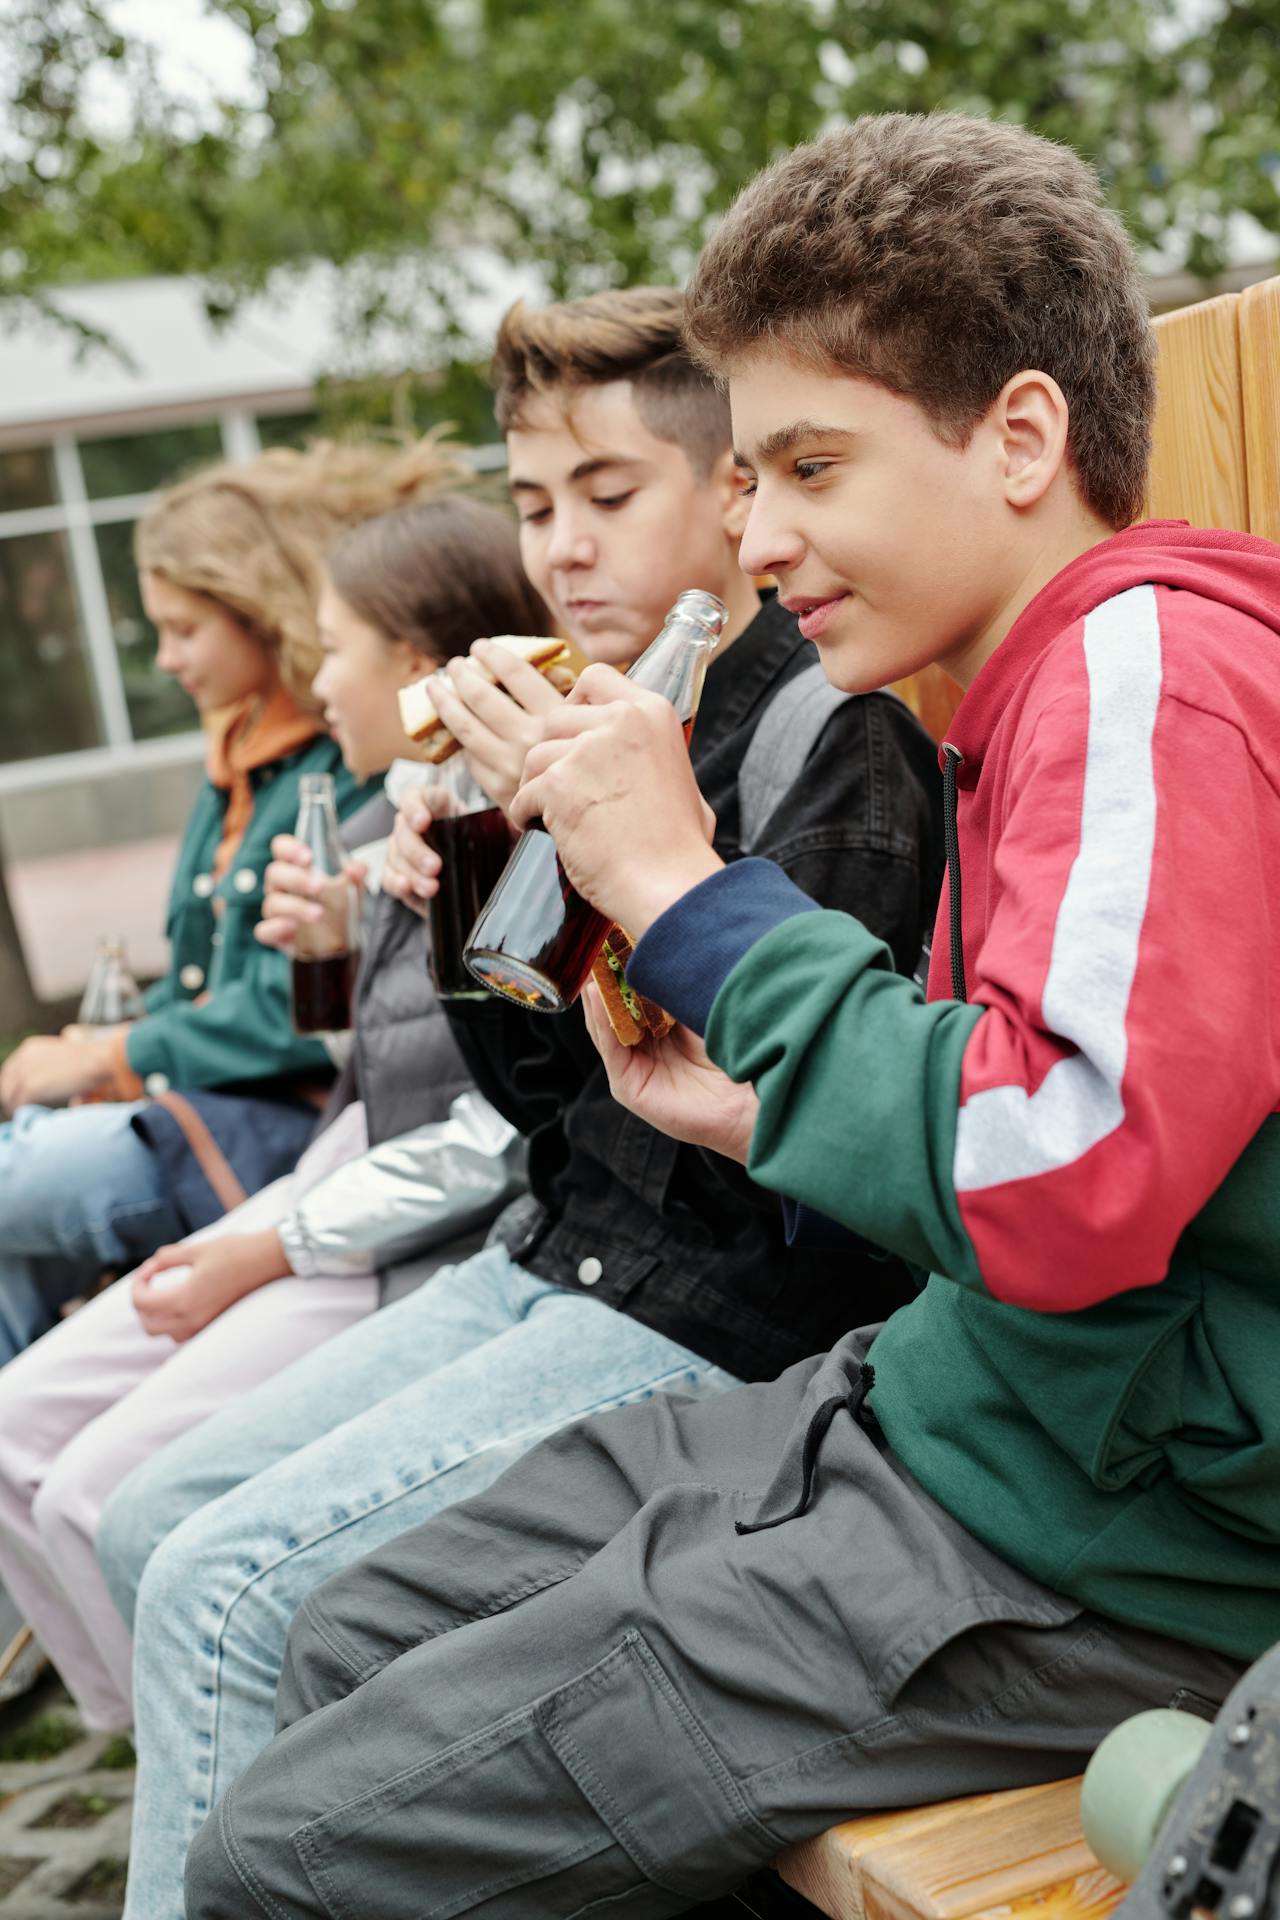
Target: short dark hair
{"type": "Point", "coordinates": [439, 574]}
{"type": "Point", "coordinates": [939, 255]}
{"type": "Point", "coordinates": [633, 334]}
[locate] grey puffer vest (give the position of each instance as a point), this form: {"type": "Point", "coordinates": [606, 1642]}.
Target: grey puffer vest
{"type": "Point", "coordinates": [405, 1064]}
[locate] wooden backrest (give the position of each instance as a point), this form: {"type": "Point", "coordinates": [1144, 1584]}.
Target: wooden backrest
{"type": "Point", "coordinates": [1260, 396]}
{"type": "Point", "coordinates": [1216, 452]}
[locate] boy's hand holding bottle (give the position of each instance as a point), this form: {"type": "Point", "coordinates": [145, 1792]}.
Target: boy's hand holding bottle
{"type": "Point", "coordinates": [613, 784]}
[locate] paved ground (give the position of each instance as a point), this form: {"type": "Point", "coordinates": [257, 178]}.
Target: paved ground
{"type": "Point", "coordinates": [64, 1812]}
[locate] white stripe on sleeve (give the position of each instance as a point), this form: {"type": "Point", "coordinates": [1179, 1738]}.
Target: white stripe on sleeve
{"type": "Point", "coordinates": [1006, 1133]}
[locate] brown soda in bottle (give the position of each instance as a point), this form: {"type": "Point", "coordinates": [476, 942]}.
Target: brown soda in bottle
{"type": "Point", "coordinates": [322, 990]}
{"type": "Point", "coordinates": [326, 955]}
{"type": "Point", "coordinates": [474, 849]}
{"type": "Point", "coordinates": [474, 840]}
{"type": "Point", "coordinates": [537, 939]}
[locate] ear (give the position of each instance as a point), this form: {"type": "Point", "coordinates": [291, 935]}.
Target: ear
{"type": "Point", "coordinates": [410, 663]}
{"type": "Point", "coordinates": [1030, 417]}
{"type": "Point", "coordinates": [728, 482]}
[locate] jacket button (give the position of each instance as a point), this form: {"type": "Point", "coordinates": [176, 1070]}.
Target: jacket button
{"type": "Point", "coordinates": [590, 1270]}
{"type": "Point", "coordinates": [245, 881]}
{"type": "Point", "coordinates": [202, 886]}
{"type": "Point", "coordinates": [192, 977]}
{"type": "Point", "coordinates": [156, 1083]}
{"type": "Point", "coordinates": [215, 939]}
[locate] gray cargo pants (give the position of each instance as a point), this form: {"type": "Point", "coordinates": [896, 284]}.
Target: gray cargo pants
{"type": "Point", "coordinates": [583, 1692]}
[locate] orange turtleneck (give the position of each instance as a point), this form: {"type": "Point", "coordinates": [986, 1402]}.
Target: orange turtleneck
{"type": "Point", "coordinates": [250, 736]}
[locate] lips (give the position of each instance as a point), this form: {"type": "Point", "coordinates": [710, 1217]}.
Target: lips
{"type": "Point", "coordinates": [814, 612]}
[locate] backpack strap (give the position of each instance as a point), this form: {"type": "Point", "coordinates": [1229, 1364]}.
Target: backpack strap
{"type": "Point", "coordinates": [785, 736]}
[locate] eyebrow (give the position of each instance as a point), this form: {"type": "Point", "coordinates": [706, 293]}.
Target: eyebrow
{"type": "Point", "coordinates": [583, 471]}
{"type": "Point", "coordinates": [785, 438]}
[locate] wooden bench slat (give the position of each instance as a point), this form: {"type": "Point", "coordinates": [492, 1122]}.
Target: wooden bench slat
{"type": "Point", "coordinates": [994, 1854]}
{"type": "Point", "coordinates": [1198, 451]}
{"type": "Point", "coordinates": [1260, 390]}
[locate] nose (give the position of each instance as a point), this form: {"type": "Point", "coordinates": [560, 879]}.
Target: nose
{"type": "Point", "coordinates": [167, 655]}
{"type": "Point", "coordinates": [769, 543]}
{"type": "Point", "coordinates": [570, 543]}
{"type": "Point", "coordinates": [319, 682]}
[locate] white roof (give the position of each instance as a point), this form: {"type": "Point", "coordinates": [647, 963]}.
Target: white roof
{"type": "Point", "coordinates": [272, 349]}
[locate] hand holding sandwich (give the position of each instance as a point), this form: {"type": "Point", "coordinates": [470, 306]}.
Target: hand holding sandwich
{"type": "Point", "coordinates": [491, 704]}
{"type": "Point", "coordinates": [612, 782]}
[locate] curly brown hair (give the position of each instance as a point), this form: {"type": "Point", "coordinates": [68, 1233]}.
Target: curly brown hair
{"type": "Point", "coordinates": [939, 255]}
{"type": "Point", "coordinates": [253, 534]}
{"type": "Point", "coordinates": [632, 333]}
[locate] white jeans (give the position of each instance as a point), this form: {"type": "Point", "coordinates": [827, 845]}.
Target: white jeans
{"type": "Point", "coordinates": [97, 1395]}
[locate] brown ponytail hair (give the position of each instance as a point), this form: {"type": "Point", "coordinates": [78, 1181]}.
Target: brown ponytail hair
{"type": "Point", "coordinates": [439, 574]}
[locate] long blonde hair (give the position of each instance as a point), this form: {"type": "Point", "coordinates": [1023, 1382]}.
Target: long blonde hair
{"type": "Point", "coordinates": [253, 534]}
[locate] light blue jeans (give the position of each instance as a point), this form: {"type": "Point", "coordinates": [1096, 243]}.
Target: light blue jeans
{"type": "Point", "coordinates": [79, 1192]}
{"type": "Point", "coordinates": [224, 1533]}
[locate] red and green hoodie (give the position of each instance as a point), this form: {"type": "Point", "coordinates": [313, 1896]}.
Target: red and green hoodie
{"type": "Point", "coordinates": [1084, 1153]}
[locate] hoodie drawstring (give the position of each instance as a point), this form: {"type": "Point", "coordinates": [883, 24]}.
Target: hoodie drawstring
{"type": "Point", "coordinates": [823, 1415]}
{"type": "Point", "coordinates": [952, 761]}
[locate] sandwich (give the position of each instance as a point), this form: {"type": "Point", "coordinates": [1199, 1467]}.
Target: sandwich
{"type": "Point", "coordinates": [631, 1016]}
{"type": "Point", "coordinates": [423, 724]}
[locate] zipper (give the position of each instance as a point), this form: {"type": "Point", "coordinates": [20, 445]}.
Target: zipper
{"type": "Point", "coordinates": [952, 761]}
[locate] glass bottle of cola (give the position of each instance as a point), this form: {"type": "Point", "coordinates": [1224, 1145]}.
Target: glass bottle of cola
{"type": "Point", "coordinates": [326, 953]}
{"type": "Point", "coordinates": [537, 939]}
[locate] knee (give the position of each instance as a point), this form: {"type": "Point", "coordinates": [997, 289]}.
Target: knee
{"type": "Point", "coordinates": [213, 1886]}
{"type": "Point", "coordinates": [128, 1537]}
{"type": "Point", "coordinates": [241, 1863]}
{"type": "Point", "coordinates": [22, 1465]}
{"type": "Point", "coordinates": [316, 1671]}
{"type": "Point", "coordinates": [166, 1598]}
{"type": "Point", "coordinates": [57, 1509]}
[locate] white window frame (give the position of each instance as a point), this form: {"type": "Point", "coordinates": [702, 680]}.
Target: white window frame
{"type": "Point", "coordinates": [74, 515]}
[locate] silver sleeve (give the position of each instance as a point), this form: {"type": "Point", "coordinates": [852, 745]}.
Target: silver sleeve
{"type": "Point", "coordinates": [408, 1194]}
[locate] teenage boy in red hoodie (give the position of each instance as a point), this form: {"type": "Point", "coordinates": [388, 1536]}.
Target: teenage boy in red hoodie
{"type": "Point", "coordinates": [678, 1637]}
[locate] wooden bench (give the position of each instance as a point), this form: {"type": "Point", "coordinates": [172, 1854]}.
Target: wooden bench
{"type": "Point", "coordinates": [1215, 462]}
{"type": "Point", "coordinates": [998, 1854]}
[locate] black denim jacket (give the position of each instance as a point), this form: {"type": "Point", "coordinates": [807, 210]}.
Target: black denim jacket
{"type": "Point", "coordinates": [677, 1237]}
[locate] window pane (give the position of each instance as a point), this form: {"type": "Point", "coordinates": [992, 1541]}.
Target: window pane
{"type": "Point", "coordinates": [26, 479]}
{"type": "Point", "coordinates": [156, 702]}
{"type": "Point", "coordinates": [46, 698]}
{"type": "Point", "coordinates": [287, 429]}
{"type": "Point", "coordinates": [139, 462]}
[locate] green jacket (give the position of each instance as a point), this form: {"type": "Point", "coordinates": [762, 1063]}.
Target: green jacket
{"type": "Point", "coordinates": [241, 1031]}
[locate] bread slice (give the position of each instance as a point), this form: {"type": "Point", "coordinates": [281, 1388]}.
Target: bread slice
{"type": "Point", "coordinates": [418, 714]}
